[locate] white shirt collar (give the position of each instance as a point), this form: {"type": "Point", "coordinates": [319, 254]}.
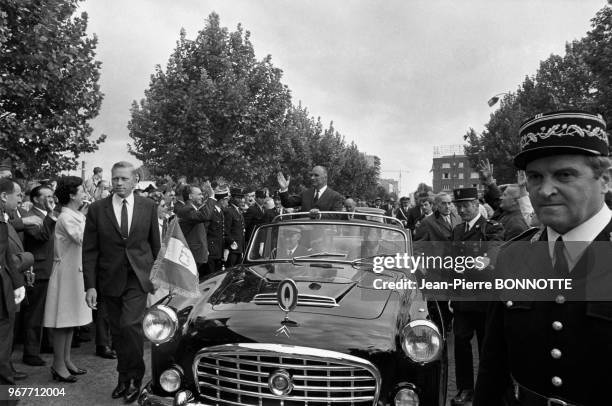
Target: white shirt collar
{"type": "Point", "coordinates": [322, 190]}
{"type": "Point", "coordinates": [585, 233]}
{"type": "Point", "coordinates": [474, 220]}
{"type": "Point", "coordinates": [119, 200]}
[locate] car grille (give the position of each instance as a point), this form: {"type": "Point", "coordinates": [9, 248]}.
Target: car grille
{"type": "Point", "coordinates": [237, 374]}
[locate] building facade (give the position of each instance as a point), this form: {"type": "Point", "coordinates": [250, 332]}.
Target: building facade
{"type": "Point", "coordinates": [451, 169]}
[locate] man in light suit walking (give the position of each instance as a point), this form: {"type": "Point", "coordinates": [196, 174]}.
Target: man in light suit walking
{"type": "Point", "coordinates": [120, 244]}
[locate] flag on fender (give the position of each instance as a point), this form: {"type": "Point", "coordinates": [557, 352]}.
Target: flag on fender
{"type": "Point", "coordinates": [175, 268]}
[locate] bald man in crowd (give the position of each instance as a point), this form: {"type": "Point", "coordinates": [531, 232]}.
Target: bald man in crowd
{"type": "Point", "coordinates": [319, 196]}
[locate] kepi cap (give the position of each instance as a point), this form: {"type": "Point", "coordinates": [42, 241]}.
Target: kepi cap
{"type": "Point", "coordinates": [562, 132]}
{"type": "Point", "coordinates": [465, 194]}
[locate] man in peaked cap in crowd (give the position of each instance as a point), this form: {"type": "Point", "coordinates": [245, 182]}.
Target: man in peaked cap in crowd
{"type": "Point", "coordinates": [216, 230]}
{"type": "Point", "coordinates": [255, 214]}
{"type": "Point", "coordinates": [555, 352]}
{"type": "Point", "coordinates": [235, 227]}
{"type": "Point", "coordinates": [474, 237]}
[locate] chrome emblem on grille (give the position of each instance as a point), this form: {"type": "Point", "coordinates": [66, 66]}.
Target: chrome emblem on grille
{"type": "Point", "coordinates": [280, 382]}
{"type": "Point", "coordinates": [287, 295]}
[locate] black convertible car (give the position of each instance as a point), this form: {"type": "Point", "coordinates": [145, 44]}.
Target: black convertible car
{"type": "Point", "coordinates": [302, 321]}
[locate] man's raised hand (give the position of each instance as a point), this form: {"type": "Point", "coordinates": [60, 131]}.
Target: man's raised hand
{"type": "Point", "coordinates": [282, 182]}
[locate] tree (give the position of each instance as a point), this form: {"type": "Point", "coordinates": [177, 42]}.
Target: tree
{"type": "Point", "coordinates": [576, 80]}
{"type": "Point", "coordinates": [214, 111]}
{"type": "Point", "coordinates": [48, 85]}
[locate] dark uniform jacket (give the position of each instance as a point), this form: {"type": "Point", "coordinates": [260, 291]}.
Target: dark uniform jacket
{"type": "Point", "coordinates": [402, 215]}
{"type": "Point", "coordinates": [216, 232]}
{"type": "Point", "coordinates": [330, 200]}
{"type": "Point", "coordinates": [485, 237]}
{"type": "Point", "coordinates": [254, 216]}
{"type": "Point", "coordinates": [193, 225]}
{"type": "Point", "coordinates": [235, 229]}
{"type": "Point", "coordinates": [560, 349]}
{"type": "Point", "coordinates": [39, 241]}
{"type": "Point", "coordinates": [414, 215]}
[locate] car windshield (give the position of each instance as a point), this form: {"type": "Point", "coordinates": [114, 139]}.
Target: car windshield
{"type": "Point", "coordinates": [325, 241]}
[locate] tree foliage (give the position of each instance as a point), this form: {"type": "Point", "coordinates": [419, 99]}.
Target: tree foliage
{"type": "Point", "coordinates": [217, 112]}
{"type": "Point", "coordinates": [581, 79]}
{"type": "Point", "coordinates": [48, 85]}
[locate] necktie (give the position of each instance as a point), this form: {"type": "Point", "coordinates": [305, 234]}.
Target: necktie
{"type": "Point", "coordinates": [124, 220]}
{"type": "Point", "coordinates": [467, 226]}
{"type": "Point", "coordinates": [316, 196]}
{"type": "Point", "coordinates": [164, 228]}
{"type": "Point", "coordinates": [447, 218]}
{"type": "Point", "coordinates": [561, 267]}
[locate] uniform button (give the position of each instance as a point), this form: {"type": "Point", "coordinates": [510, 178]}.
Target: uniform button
{"type": "Point", "coordinates": [555, 353]}
{"type": "Point", "coordinates": [560, 299]}
{"type": "Point", "coordinates": [556, 381]}
{"type": "Point", "coordinates": [557, 325]}
{"type": "Point", "coordinates": [509, 303]}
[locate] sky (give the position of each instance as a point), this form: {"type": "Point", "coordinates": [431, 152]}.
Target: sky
{"type": "Point", "coordinates": [398, 77]}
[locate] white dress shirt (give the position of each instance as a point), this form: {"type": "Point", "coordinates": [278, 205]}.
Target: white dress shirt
{"type": "Point", "coordinates": [578, 238]}
{"type": "Point", "coordinates": [321, 191]}
{"type": "Point", "coordinates": [118, 205]}
{"type": "Point", "coordinates": [472, 222]}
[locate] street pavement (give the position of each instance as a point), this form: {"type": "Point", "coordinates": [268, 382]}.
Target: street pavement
{"type": "Point", "coordinates": [94, 388]}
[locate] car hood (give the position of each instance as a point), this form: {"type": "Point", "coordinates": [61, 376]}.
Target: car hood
{"type": "Point", "coordinates": [340, 290]}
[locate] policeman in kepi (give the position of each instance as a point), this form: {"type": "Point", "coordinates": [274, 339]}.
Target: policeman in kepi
{"type": "Point", "coordinates": [555, 352]}
{"type": "Point", "coordinates": [474, 237]}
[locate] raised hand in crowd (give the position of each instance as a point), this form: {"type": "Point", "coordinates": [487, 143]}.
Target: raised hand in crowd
{"type": "Point", "coordinates": [283, 182]}
{"type": "Point", "coordinates": [486, 171]}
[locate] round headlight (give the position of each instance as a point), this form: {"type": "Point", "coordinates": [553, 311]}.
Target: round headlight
{"type": "Point", "coordinates": [422, 341]}
{"type": "Point", "coordinates": [170, 380]}
{"type": "Point", "coordinates": [406, 397]}
{"type": "Point", "coordinates": [159, 324]}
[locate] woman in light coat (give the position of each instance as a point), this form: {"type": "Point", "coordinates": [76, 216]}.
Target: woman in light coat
{"type": "Point", "coordinates": [65, 307]}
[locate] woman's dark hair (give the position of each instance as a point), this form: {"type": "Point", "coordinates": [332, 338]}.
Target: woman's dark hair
{"type": "Point", "coordinates": [66, 186]}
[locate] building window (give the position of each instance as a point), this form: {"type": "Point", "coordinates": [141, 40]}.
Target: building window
{"type": "Point", "coordinates": [460, 176]}
{"type": "Point", "coordinates": [460, 164]}
{"type": "Point", "coordinates": [445, 175]}
{"type": "Point", "coordinates": [460, 186]}
{"type": "Point", "coordinates": [474, 175]}
{"type": "Point", "coordinates": [446, 188]}
{"type": "Point", "coordinates": [446, 165]}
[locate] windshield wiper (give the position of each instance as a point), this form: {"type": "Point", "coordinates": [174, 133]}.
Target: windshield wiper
{"type": "Point", "coordinates": [321, 254]}
{"type": "Point", "coordinates": [364, 259]}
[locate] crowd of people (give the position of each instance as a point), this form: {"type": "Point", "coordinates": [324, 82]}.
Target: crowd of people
{"type": "Point", "coordinates": [69, 247]}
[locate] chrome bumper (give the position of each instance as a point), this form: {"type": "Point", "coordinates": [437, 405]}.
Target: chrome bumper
{"type": "Point", "coordinates": [147, 398]}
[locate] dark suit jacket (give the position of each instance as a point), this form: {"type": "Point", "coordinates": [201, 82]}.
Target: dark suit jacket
{"type": "Point", "coordinates": [435, 228]}
{"type": "Point", "coordinates": [414, 215]}
{"type": "Point", "coordinates": [106, 255]}
{"type": "Point", "coordinates": [20, 260]}
{"type": "Point", "coordinates": [254, 217]}
{"type": "Point", "coordinates": [193, 225]}
{"type": "Point", "coordinates": [39, 241]}
{"type": "Point", "coordinates": [10, 278]}
{"type": "Point", "coordinates": [216, 232]}
{"type": "Point", "coordinates": [235, 229]}
{"type": "Point", "coordinates": [330, 200]}
{"type": "Point", "coordinates": [15, 220]}
{"type": "Point", "coordinates": [513, 222]}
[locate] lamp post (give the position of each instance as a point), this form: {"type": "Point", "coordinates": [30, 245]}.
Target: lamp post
{"type": "Point", "coordinates": [493, 100]}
